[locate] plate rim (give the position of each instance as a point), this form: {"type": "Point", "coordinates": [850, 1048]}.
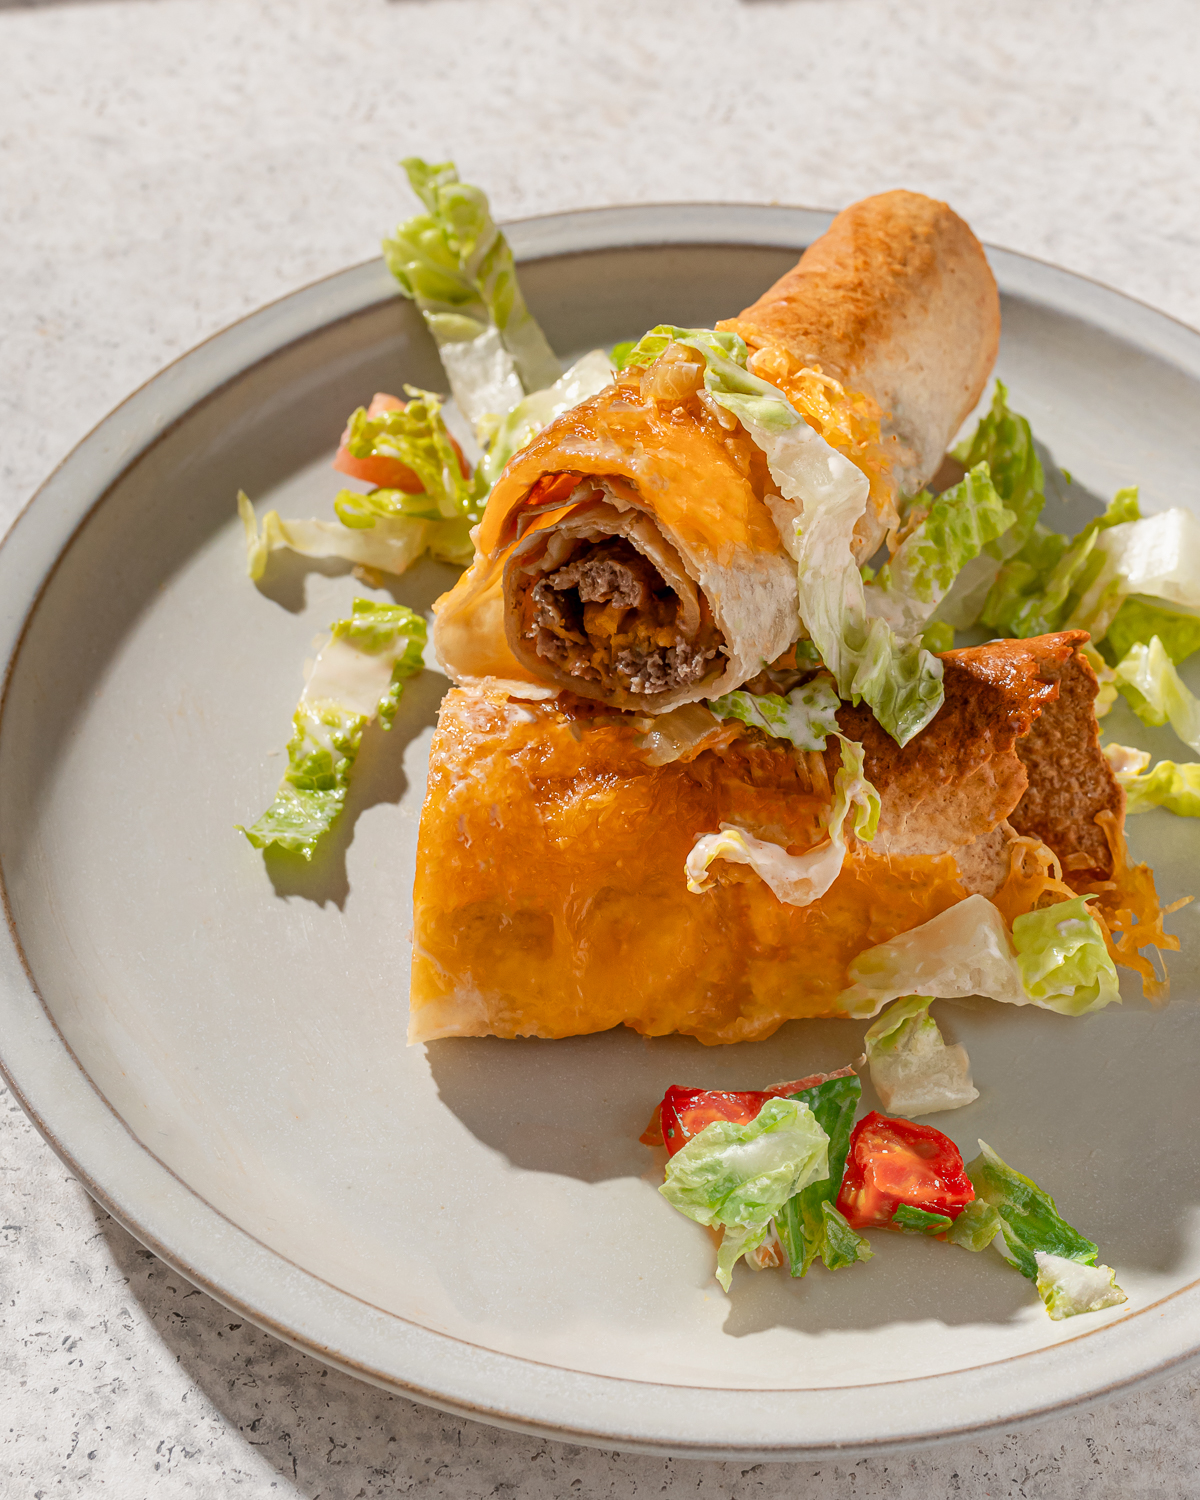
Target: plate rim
{"type": "Point", "coordinates": [435, 1368]}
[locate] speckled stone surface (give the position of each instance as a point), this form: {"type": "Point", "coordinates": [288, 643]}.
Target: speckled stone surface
{"type": "Point", "coordinates": [167, 165]}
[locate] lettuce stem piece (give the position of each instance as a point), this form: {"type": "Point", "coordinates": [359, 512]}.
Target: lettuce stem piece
{"type": "Point", "coordinates": [359, 675]}
{"type": "Point", "coordinates": [456, 265]}
{"type": "Point", "coordinates": [913, 1070]}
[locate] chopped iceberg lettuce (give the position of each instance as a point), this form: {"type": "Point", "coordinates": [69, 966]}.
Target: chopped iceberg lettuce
{"type": "Point", "coordinates": [809, 1224]}
{"type": "Point", "coordinates": [920, 1220]}
{"type": "Point", "coordinates": [822, 497]}
{"type": "Point", "coordinates": [1063, 959]}
{"type": "Point", "coordinates": [359, 675]}
{"type": "Point", "coordinates": [586, 377]}
{"type": "Point", "coordinates": [797, 879]}
{"type": "Point", "coordinates": [740, 1176]}
{"type": "Point", "coordinates": [1146, 676]}
{"type": "Point", "coordinates": [1069, 1288]}
{"type": "Point", "coordinates": [913, 1070]}
{"type": "Point", "coordinates": [806, 716]}
{"type": "Point", "coordinates": [1055, 958]}
{"type": "Point", "coordinates": [458, 268]}
{"type": "Point", "coordinates": [1170, 784]}
{"type": "Point", "coordinates": [1004, 442]}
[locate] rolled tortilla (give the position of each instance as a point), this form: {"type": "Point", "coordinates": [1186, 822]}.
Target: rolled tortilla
{"type": "Point", "coordinates": [629, 554]}
{"type": "Point", "coordinates": [897, 302]}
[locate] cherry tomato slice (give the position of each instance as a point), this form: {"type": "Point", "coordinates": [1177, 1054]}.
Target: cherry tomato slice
{"type": "Point", "coordinates": [891, 1162]}
{"type": "Point", "coordinates": [683, 1113]}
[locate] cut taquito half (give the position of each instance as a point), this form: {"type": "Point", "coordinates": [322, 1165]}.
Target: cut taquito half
{"type": "Point", "coordinates": [551, 898]}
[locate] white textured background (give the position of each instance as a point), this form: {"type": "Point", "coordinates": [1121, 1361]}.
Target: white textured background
{"type": "Point", "coordinates": [167, 165]}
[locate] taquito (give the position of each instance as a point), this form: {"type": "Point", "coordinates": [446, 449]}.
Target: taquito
{"type": "Point", "coordinates": [550, 899]}
{"type": "Point", "coordinates": [632, 554]}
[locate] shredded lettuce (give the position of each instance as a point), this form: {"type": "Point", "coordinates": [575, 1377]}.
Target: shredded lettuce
{"type": "Point", "coordinates": [359, 675]}
{"type": "Point", "coordinates": [1063, 959]}
{"type": "Point", "coordinates": [1158, 556]}
{"type": "Point", "coordinates": [809, 1223]}
{"type": "Point", "coordinates": [417, 436]}
{"type": "Point", "coordinates": [390, 545]}
{"type": "Point", "coordinates": [920, 1220]}
{"type": "Point", "coordinates": [823, 496]}
{"type": "Point", "coordinates": [1140, 619]}
{"type": "Point", "coordinates": [1146, 676]}
{"type": "Point", "coordinates": [797, 879]}
{"type": "Point", "coordinates": [458, 268]}
{"type": "Point", "coordinates": [1055, 958]}
{"type": "Point", "coordinates": [913, 1070]}
{"type": "Point", "coordinates": [586, 377]}
{"type": "Point", "coordinates": [1037, 589]}
{"type": "Point", "coordinates": [1004, 442]}
{"type": "Point", "coordinates": [976, 1227]}
{"type": "Point", "coordinates": [385, 529]}
{"type": "Point", "coordinates": [1170, 784]}
{"type": "Point", "coordinates": [806, 716]}
{"type": "Point", "coordinates": [1068, 1288]}
{"type": "Point", "coordinates": [1036, 1237]}
{"type": "Point", "coordinates": [740, 1176]}
{"type": "Point", "coordinates": [959, 523]}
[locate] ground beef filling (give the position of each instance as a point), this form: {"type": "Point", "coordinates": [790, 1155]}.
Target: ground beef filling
{"type": "Point", "coordinates": [608, 617]}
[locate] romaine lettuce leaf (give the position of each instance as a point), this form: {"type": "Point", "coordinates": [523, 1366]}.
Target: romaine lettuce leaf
{"type": "Point", "coordinates": [809, 1223]}
{"type": "Point", "coordinates": [586, 377]}
{"type": "Point", "coordinates": [740, 1176]}
{"type": "Point", "coordinates": [797, 879]}
{"type": "Point", "coordinates": [1063, 959]}
{"type": "Point", "coordinates": [959, 523]}
{"type": "Point", "coordinates": [913, 1070]}
{"type": "Point", "coordinates": [359, 675]}
{"type": "Point", "coordinates": [416, 435]}
{"type": "Point", "coordinates": [822, 497]}
{"type": "Point", "coordinates": [1158, 556]}
{"type": "Point", "coordinates": [1028, 1215]}
{"type": "Point", "coordinates": [458, 268]}
{"type": "Point", "coordinates": [390, 545]}
{"type": "Point", "coordinates": [1146, 676]}
{"type": "Point", "coordinates": [976, 1227]}
{"type": "Point", "coordinates": [1004, 442]}
{"type": "Point", "coordinates": [1170, 784]}
{"type": "Point", "coordinates": [1055, 960]}
{"type": "Point", "coordinates": [1140, 619]}
{"type": "Point", "coordinates": [806, 716]}
{"type": "Point", "coordinates": [1068, 1288]}
{"type": "Point", "coordinates": [1041, 585]}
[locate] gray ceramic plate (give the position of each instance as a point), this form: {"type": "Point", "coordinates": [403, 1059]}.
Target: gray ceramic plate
{"type": "Point", "coordinates": [215, 1042]}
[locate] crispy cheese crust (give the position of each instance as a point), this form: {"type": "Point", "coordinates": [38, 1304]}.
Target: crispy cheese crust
{"type": "Point", "coordinates": [550, 893]}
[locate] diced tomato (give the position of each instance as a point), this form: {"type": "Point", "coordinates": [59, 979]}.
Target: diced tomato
{"type": "Point", "coordinates": [896, 1161]}
{"type": "Point", "coordinates": [683, 1113]}
{"type": "Point", "coordinates": [379, 470]}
